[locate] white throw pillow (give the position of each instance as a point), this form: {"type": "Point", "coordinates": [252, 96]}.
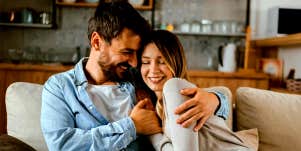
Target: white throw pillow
{"type": "Point", "coordinates": [23, 107]}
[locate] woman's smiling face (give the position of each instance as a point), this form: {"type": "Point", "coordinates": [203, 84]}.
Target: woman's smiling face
{"type": "Point", "coordinates": [154, 70]}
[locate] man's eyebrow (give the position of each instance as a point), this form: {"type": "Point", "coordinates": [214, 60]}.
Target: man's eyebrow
{"type": "Point", "coordinates": [128, 50]}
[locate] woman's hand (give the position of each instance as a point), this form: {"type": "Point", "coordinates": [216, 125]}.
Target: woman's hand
{"type": "Point", "coordinates": [197, 109]}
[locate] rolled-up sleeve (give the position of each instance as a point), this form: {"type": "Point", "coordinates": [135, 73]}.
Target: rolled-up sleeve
{"type": "Point", "coordinates": [223, 110]}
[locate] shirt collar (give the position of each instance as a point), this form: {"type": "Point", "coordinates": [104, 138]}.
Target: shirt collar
{"type": "Point", "coordinates": [79, 73]}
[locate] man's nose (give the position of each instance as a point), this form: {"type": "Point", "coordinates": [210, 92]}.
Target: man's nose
{"type": "Point", "coordinates": [133, 61]}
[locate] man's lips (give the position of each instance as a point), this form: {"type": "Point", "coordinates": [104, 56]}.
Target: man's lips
{"type": "Point", "coordinates": [123, 67]}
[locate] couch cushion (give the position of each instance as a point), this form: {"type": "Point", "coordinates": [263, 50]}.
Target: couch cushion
{"type": "Point", "coordinates": [276, 115]}
{"type": "Point", "coordinates": [23, 106]}
{"type": "Point", "coordinates": [9, 143]}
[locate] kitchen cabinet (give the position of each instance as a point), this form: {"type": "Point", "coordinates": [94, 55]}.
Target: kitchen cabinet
{"type": "Point", "coordinates": [10, 73]}
{"type": "Point", "coordinates": [233, 80]}
{"type": "Point", "coordinates": [28, 14]}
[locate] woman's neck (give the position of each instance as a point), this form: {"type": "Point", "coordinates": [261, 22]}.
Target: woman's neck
{"type": "Point", "coordinates": [158, 94]}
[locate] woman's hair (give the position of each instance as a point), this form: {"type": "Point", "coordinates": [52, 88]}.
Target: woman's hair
{"type": "Point", "coordinates": [172, 50]}
{"type": "Point", "coordinates": [173, 54]}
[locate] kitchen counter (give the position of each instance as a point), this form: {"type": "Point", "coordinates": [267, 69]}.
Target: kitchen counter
{"type": "Point", "coordinates": [35, 67]}
{"type": "Point", "coordinates": [238, 75]}
{"type": "Point", "coordinates": [39, 73]}
{"type": "Point", "coordinates": [192, 73]}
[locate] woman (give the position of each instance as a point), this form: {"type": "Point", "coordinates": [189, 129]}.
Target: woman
{"type": "Point", "coordinates": [161, 60]}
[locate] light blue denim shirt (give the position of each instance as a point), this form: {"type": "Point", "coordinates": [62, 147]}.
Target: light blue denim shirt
{"type": "Point", "coordinates": [70, 121]}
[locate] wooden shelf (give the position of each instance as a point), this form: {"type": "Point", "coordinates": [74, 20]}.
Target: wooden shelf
{"type": "Point", "coordinates": [210, 34]}
{"type": "Point", "coordinates": [293, 39]}
{"type": "Point", "coordinates": [85, 4]}
{"type": "Point", "coordinates": [34, 25]}
{"type": "Point", "coordinates": [35, 67]}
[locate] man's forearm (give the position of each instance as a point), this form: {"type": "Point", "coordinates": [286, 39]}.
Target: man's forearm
{"type": "Point", "coordinates": [113, 136]}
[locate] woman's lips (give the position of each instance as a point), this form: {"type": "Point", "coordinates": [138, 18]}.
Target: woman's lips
{"type": "Point", "coordinates": [155, 79]}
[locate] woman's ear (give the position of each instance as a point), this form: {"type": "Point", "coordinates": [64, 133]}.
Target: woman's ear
{"type": "Point", "coordinates": [96, 40]}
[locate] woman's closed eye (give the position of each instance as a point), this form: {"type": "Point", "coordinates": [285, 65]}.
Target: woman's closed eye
{"type": "Point", "coordinates": [145, 62]}
{"type": "Point", "coordinates": [161, 61]}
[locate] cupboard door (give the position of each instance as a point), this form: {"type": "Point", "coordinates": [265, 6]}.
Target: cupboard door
{"type": "Point", "coordinates": [8, 77]}
{"type": "Point", "coordinates": [231, 83]}
{"type": "Point", "coordinates": [2, 102]}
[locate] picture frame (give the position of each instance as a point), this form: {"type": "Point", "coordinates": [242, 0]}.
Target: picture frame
{"type": "Point", "coordinates": [274, 68]}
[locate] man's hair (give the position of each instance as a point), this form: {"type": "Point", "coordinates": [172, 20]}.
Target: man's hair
{"type": "Point", "coordinates": [111, 17]}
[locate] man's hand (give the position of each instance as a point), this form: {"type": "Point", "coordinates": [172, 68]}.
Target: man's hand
{"type": "Point", "coordinates": [145, 118]}
{"type": "Point", "coordinates": [199, 108]}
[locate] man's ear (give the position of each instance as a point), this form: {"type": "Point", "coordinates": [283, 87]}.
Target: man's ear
{"type": "Point", "coordinates": [96, 40]}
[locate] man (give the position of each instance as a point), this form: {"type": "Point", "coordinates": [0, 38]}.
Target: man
{"type": "Point", "coordinates": [90, 106]}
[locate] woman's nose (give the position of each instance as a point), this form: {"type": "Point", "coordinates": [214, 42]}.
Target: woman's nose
{"type": "Point", "coordinates": [154, 67]}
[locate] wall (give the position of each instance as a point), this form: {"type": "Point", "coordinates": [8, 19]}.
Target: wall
{"type": "Point", "coordinates": [199, 49]}
{"type": "Point", "coordinates": [260, 24]}
{"type": "Point", "coordinates": [71, 32]}
{"type": "Point", "coordinates": [72, 27]}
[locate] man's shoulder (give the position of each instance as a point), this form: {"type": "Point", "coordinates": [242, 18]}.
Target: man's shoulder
{"type": "Point", "coordinates": [61, 78]}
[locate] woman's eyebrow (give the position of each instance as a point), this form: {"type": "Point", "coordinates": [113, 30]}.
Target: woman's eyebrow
{"type": "Point", "coordinates": [146, 57]}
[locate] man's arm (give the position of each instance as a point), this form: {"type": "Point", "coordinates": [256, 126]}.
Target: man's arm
{"type": "Point", "coordinates": [59, 128]}
{"type": "Point", "coordinates": [60, 132]}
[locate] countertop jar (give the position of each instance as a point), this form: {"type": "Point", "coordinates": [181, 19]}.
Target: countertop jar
{"type": "Point", "coordinates": [206, 26]}
{"type": "Point", "coordinates": [184, 27]}
{"type": "Point", "coordinates": [195, 27]}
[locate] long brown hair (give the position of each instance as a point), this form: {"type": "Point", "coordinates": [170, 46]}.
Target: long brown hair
{"type": "Point", "coordinates": [173, 53]}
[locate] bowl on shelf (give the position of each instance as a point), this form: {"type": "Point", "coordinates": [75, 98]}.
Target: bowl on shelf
{"type": "Point", "coordinates": [91, 1]}
{"type": "Point", "coordinates": [136, 2]}
{"type": "Point", "coordinates": [69, 1]}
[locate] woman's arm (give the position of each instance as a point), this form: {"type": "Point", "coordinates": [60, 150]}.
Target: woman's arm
{"type": "Point", "coordinates": [181, 138]}
{"type": "Point", "coordinates": [204, 104]}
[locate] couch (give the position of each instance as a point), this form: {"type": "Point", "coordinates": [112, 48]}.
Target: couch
{"type": "Point", "coordinates": [275, 115]}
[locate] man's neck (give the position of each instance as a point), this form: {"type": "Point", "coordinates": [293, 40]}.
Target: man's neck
{"type": "Point", "coordinates": [95, 74]}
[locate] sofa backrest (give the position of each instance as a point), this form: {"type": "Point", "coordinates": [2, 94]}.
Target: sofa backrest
{"type": "Point", "coordinates": [23, 107]}
{"type": "Point", "coordinates": [275, 115]}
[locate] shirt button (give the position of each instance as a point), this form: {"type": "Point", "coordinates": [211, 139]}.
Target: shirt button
{"type": "Point", "coordinates": [91, 107]}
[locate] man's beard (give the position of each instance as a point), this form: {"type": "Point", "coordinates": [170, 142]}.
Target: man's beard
{"type": "Point", "coordinates": [110, 71]}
